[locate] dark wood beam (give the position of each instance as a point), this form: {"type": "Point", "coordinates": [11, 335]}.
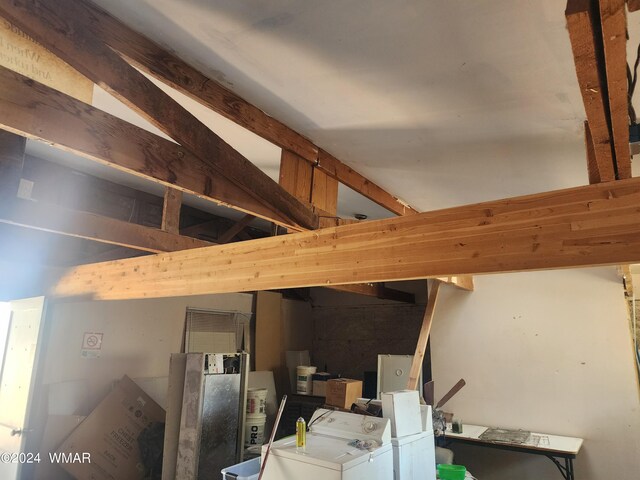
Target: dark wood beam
{"type": "Point", "coordinates": [75, 223]}
{"type": "Point", "coordinates": [171, 210]}
{"type": "Point", "coordinates": [633, 5]}
{"type": "Point", "coordinates": [153, 59]}
{"type": "Point", "coordinates": [586, 43]}
{"type": "Point", "coordinates": [11, 162]}
{"type": "Point", "coordinates": [62, 27]}
{"type": "Point", "coordinates": [583, 226]}
{"type": "Point", "coordinates": [377, 290]}
{"type": "Point", "coordinates": [41, 113]}
{"type": "Point", "coordinates": [240, 225]}
{"type": "Point", "coordinates": [613, 21]}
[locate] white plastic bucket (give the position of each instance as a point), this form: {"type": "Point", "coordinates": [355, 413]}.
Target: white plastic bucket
{"type": "Point", "coordinates": [254, 429]}
{"type": "Point", "coordinates": [304, 384]}
{"type": "Point", "coordinates": [257, 400]}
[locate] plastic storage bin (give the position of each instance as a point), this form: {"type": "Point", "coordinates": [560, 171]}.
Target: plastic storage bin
{"type": "Point", "coordinates": [248, 470]}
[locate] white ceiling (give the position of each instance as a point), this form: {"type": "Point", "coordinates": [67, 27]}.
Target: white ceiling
{"type": "Point", "coordinates": [441, 102]}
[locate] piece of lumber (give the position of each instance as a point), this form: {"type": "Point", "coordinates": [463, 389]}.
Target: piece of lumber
{"type": "Point", "coordinates": [75, 223]}
{"type": "Point", "coordinates": [296, 175]}
{"type": "Point", "coordinates": [592, 164]}
{"type": "Point", "coordinates": [378, 290]}
{"type": "Point", "coordinates": [171, 210]}
{"type": "Point", "coordinates": [153, 59]}
{"type": "Point", "coordinates": [587, 50]}
{"type": "Point", "coordinates": [61, 27]}
{"type": "Point", "coordinates": [463, 282]}
{"type": "Point", "coordinates": [582, 226]}
{"type": "Point", "coordinates": [352, 179]}
{"type": "Point", "coordinates": [324, 192]}
{"type": "Point", "coordinates": [38, 112]}
{"type": "Point", "coordinates": [423, 337]}
{"type": "Point", "coordinates": [451, 393]}
{"type": "Point", "coordinates": [633, 5]}
{"type": "Point", "coordinates": [613, 20]}
{"type": "Point", "coordinates": [11, 162]}
{"type": "Point", "coordinates": [235, 229]}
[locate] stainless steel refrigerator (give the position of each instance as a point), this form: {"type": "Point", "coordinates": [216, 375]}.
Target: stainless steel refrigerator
{"type": "Point", "coordinates": [204, 430]}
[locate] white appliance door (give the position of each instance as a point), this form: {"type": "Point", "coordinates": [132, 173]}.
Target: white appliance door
{"type": "Point", "coordinates": [23, 329]}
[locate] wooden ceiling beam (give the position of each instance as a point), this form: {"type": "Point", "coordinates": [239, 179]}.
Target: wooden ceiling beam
{"type": "Point", "coordinates": [377, 290]}
{"type": "Point", "coordinates": [36, 111]}
{"type": "Point", "coordinates": [583, 226]}
{"type": "Point", "coordinates": [613, 21]}
{"type": "Point", "coordinates": [75, 223]}
{"type": "Point", "coordinates": [155, 60]}
{"type": "Point", "coordinates": [586, 43]}
{"type": "Point", "coordinates": [61, 26]}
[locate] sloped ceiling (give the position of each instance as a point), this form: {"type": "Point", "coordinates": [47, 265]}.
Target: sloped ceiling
{"type": "Point", "coordinates": [441, 103]}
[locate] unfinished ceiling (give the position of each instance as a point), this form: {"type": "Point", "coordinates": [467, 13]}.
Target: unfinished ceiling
{"type": "Point", "coordinates": [441, 103]}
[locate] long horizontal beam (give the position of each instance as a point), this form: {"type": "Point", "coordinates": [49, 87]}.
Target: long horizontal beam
{"type": "Point", "coordinates": [591, 225]}
{"type": "Point", "coordinates": [38, 112]}
{"type": "Point", "coordinates": [153, 59]}
{"type": "Point", "coordinates": [61, 26]}
{"type": "Point", "coordinates": [75, 223]}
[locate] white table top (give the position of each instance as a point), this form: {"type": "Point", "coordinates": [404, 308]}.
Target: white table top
{"type": "Point", "coordinates": [538, 441]}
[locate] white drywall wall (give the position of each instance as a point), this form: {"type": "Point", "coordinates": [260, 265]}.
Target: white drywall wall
{"type": "Point", "coordinates": [548, 352]}
{"type": "Point", "coordinates": [138, 339]}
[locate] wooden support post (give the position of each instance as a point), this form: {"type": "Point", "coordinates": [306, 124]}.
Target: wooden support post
{"type": "Point", "coordinates": [423, 338]}
{"type": "Point", "coordinates": [11, 161]}
{"type": "Point", "coordinates": [171, 210]}
{"type": "Point", "coordinates": [324, 192]}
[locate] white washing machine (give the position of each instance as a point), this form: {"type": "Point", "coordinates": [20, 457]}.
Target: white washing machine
{"type": "Point", "coordinates": [328, 455]}
{"type": "Point", "coordinates": [414, 456]}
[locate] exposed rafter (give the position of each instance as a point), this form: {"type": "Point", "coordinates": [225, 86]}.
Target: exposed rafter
{"type": "Point", "coordinates": [75, 223]}
{"type": "Point", "coordinates": [153, 59]}
{"type": "Point", "coordinates": [71, 40]}
{"type": "Point", "coordinates": [36, 111]}
{"type": "Point", "coordinates": [587, 53]}
{"type": "Point", "coordinates": [591, 225]}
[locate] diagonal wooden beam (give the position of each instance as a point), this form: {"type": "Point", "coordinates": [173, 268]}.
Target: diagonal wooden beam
{"type": "Point", "coordinates": [36, 111]}
{"type": "Point", "coordinates": [463, 282]}
{"type": "Point", "coordinates": [592, 164]}
{"type": "Point", "coordinates": [633, 5]}
{"type": "Point", "coordinates": [613, 21]}
{"type": "Point", "coordinates": [586, 44]}
{"type": "Point", "coordinates": [75, 223]}
{"type": "Point", "coordinates": [61, 27]}
{"type": "Point", "coordinates": [235, 229]}
{"type": "Point", "coordinates": [583, 226]}
{"type": "Point", "coordinates": [153, 59]}
{"type": "Point", "coordinates": [423, 337]}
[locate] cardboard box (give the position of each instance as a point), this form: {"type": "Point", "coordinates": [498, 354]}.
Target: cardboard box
{"type": "Point", "coordinates": [110, 435]}
{"type": "Point", "coordinates": [342, 392]}
{"type": "Point", "coordinates": [320, 383]}
{"type": "Point", "coordinates": [403, 408]}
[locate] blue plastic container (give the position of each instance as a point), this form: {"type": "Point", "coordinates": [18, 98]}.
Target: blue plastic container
{"type": "Point", "coordinates": [248, 470]}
